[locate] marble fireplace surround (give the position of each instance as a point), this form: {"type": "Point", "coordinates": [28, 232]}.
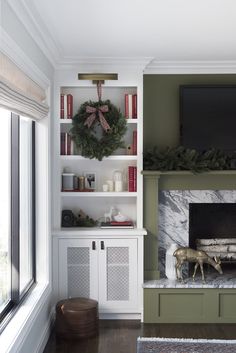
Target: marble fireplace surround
{"type": "Point", "coordinates": [166, 199]}
{"type": "Point", "coordinates": [174, 216]}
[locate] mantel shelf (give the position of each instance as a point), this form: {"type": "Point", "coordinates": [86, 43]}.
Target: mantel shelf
{"type": "Point", "coordinates": [187, 180]}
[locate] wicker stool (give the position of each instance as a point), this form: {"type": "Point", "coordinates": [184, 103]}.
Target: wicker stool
{"type": "Point", "coordinates": [76, 318]}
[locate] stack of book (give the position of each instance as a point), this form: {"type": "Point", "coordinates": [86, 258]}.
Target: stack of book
{"type": "Point", "coordinates": [67, 145]}
{"type": "Point", "coordinates": [66, 109]}
{"type": "Point", "coordinates": [132, 178]}
{"type": "Point", "coordinates": [131, 106]}
{"type": "Point", "coordinates": [119, 225]}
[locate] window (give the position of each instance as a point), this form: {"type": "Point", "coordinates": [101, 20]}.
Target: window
{"type": "Point", "coordinates": [17, 209]}
{"type": "Point", "coordinates": [5, 206]}
{"type": "Point", "coordinates": [26, 204]}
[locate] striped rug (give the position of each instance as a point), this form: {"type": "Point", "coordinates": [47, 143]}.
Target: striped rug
{"type": "Point", "coordinates": [181, 345]}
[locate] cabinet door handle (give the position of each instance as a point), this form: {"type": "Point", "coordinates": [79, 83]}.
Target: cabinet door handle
{"type": "Point", "coordinates": [93, 245]}
{"type": "Point", "coordinates": [102, 245]}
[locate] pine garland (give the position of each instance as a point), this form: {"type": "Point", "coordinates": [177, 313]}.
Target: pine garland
{"type": "Point", "coordinates": [94, 142]}
{"type": "Point", "coordinates": [180, 158]}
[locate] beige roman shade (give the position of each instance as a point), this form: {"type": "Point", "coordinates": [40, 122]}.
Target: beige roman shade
{"type": "Point", "coordinates": [19, 93]}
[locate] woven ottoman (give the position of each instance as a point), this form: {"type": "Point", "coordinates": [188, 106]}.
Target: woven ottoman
{"type": "Point", "coordinates": [76, 318]}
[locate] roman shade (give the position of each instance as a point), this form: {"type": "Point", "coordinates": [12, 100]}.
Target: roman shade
{"type": "Point", "coordinates": [19, 93]}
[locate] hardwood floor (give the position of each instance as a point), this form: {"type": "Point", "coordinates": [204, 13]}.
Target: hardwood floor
{"type": "Point", "coordinates": [120, 336]}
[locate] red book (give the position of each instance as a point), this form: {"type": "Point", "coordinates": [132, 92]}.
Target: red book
{"type": "Point", "coordinates": [130, 178]}
{"type": "Point", "coordinates": [126, 106]}
{"type": "Point", "coordinates": [63, 143]}
{"type": "Point", "coordinates": [69, 106]}
{"type": "Point", "coordinates": [124, 223]}
{"type": "Point", "coordinates": [134, 145]}
{"type": "Point", "coordinates": [68, 144]}
{"type": "Point", "coordinates": [62, 107]}
{"type": "Point", "coordinates": [134, 106]}
{"type": "Point", "coordinates": [135, 179]}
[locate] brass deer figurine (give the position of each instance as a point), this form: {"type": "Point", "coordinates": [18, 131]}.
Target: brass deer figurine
{"type": "Point", "coordinates": [199, 257]}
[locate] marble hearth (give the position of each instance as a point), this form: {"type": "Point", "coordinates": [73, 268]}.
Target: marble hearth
{"type": "Point", "coordinates": [213, 280]}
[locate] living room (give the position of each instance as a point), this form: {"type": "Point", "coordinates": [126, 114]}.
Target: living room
{"type": "Point", "coordinates": [102, 217]}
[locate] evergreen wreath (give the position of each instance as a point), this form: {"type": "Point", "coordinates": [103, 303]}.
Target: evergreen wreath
{"type": "Point", "coordinates": [98, 129]}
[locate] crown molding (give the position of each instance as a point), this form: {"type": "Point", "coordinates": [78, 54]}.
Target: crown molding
{"type": "Point", "coordinates": [31, 20]}
{"type": "Point", "coordinates": [12, 50]}
{"type": "Point", "coordinates": [191, 67]}
{"type": "Point", "coordinates": [104, 63]}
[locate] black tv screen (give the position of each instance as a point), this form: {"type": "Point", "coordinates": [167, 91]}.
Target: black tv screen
{"type": "Point", "coordinates": [208, 117]}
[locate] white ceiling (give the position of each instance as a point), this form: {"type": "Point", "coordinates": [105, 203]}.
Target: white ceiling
{"type": "Point", "coordinates": [164, 30]}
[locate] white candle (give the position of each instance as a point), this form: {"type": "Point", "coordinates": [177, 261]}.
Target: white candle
{"type": "Point", "coordinates": [105, 187]}
{"type": "Point", "coordinates": [118, 186]}
{"type": "Point", "coordinates": [110, 185]}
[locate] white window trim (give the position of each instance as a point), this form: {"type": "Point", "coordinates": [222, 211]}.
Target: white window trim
{"type": "Point", "coordinates": [18, 329]}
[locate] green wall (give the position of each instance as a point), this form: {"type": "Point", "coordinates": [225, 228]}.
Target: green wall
{"type": "Point", "coordinates": [161, 105]}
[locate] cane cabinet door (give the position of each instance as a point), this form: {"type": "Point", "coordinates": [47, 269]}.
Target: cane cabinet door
{"type": "Point", "coordinates": [78, 262]}
{"type": "Point", "coordinates": [118, 274]}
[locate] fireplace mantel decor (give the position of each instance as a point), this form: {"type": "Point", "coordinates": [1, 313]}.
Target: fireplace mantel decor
{"type": "Point", "coordinates": [181, 158]}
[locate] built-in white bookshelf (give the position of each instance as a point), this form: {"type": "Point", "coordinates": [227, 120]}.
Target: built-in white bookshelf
{"type": "Point", "coordinates": [97, 202]}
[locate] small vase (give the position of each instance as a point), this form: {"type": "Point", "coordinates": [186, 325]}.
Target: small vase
{"type": "Point", "coordinates": [170, 261]}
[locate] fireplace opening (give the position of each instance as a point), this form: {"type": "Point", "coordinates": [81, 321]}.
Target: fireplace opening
{"type": "Point", "coordinates": [212, 228]}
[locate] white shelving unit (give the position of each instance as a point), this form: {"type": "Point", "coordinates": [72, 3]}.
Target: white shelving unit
{"type": "Point", "coordinates": [110, 158]}
{"type": "Point", "coordinates": [69, 121]}
{"type": "Point", "coordinates": [104, 169]}
{"type": "Point", "coordinates": [97, 202]}
{"type": "Point", "coordinates": [99, 194]}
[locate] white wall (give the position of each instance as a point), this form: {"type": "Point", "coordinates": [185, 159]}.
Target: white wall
{"type": "Point", "coordinates": [28, 331]}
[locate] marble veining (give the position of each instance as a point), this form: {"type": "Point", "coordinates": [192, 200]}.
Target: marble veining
{"type": "Point", "coordinates": [213, 280]}
{"type": "Point", "coordinates": [174, 216]}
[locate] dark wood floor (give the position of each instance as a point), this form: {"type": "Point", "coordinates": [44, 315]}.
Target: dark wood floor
{"type": "Point", "coordinates": [120, 336]}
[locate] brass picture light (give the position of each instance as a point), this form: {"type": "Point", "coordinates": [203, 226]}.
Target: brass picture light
{"type": "Point", "coordinates": [97, 77]}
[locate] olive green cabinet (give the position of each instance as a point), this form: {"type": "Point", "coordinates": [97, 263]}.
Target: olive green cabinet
{"type": "Point", "coordinates": [211, 305]}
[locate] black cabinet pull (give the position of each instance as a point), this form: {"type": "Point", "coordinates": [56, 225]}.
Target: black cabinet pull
{"type": "Point", "coordinates": [93, 245]}
{"type": "Point", "coordinates": [102, 245]}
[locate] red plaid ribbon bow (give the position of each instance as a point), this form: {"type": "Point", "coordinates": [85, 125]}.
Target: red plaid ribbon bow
{"type": "Point", "coordinates": [93, 113]}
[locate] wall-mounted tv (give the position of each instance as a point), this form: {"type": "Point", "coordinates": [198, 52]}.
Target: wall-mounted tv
{"type": "Point", "coordinates": [208, 117]}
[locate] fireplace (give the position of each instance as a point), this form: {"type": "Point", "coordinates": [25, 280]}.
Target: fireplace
{"type": "Point", "coordinates": [211, 220]}
{"type": "Point", "coordinates": [212, 228]}
{"type": "Point", "coordinates": [167, 199]}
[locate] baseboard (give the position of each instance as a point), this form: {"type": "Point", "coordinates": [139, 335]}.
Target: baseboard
{"type": "Point", "coordinates": [130, 316]}
{"type": "Point", "coordinates": [46, 332]}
